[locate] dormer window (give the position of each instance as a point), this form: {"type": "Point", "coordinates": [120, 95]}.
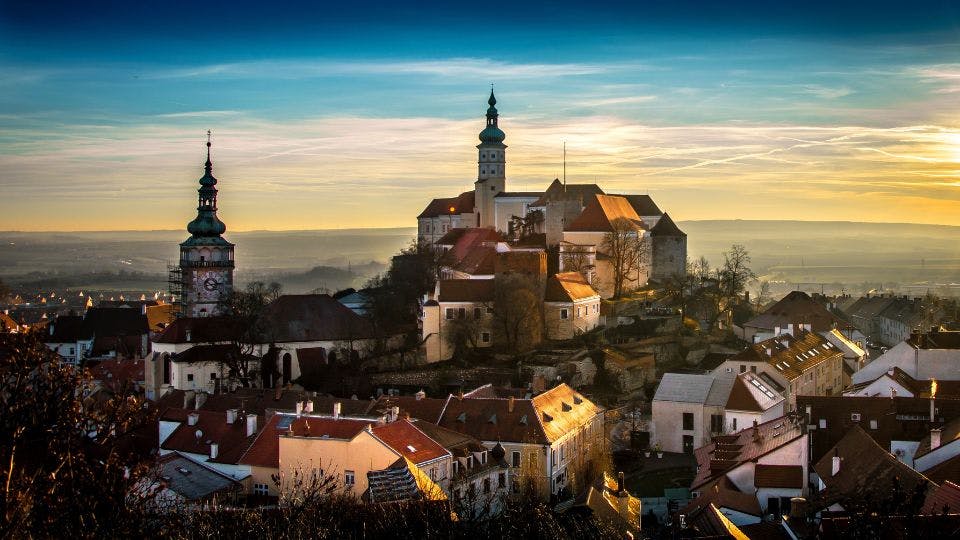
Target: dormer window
{"type": "Point", "coordinates": [483, 458]}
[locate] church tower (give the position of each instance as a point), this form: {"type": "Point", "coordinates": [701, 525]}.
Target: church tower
{"type": "Point", "coordinates": [206, 259]}
{"type": "Point", "coordinates": [491, 166]}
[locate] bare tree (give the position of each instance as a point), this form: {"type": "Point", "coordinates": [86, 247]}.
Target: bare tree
{"type": "Point", "coordinates": [736, 272]}
{"type": "Point", "coordinates": [576, 258]}
{"type": "Point", "coordinates": [627, 251]}
{"type": "Point", "coordinates": [516, 312]}
{"type": "Point", "coordinates": [701, 270]}
{"type": "Point", "coordinates": [247, 329]}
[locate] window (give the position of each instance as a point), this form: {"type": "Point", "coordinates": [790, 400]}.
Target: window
{"type": "Point", "coordinates": [489, 311]}
{"type": "Point", "coordinates": [734, 423]}
{"type": "Point", "coordinates": [456, 466]}
{"type": "Point", "coordinates": [261, 489]}
{"type": "Point", "coordinates": [477, 313]}
{"type": "Point", "coordinates": [450, 314]}
{"type": "Point", "coordinates": [190, 377]}
{"type": "Point", "coordinates": [485, 337]}
{"type": "Point", "coordinates": [349, 479]}
{"type": "Point", "coordinates": [433, 473]}
{"type": "Point", "coordinates": [687, 421]}
{"type": "Point", "coordinates": [716, 423]}
{"type": "Point", "coordinates": [486, 485]}
{"type": "Point", "coordinates": [564, 314]}
{"type": "Point", "coordinates": [743, 368]}
{"type": "Point", "coordinates": [501, 480]}
{"type": "Point", "coordinates": [873, 424]}
{"type": "Point", "coordinates": [516, 459]}
{"type": "Point", "coordinates": [213, 376]}
{"type": "Point", "coordinates": [483, 458]}
{"type": "Point", "coordinates": [462, 313]}
{"type": "Point", "coordinates": [753, 369]}
{"type": "Point", "coordinates": [553, 457]}
{"type": "Point", "coordinates": [823, 423]}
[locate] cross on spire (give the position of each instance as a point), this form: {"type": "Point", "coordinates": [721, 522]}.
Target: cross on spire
{"type": "Point", "coordinates": [208, 164]}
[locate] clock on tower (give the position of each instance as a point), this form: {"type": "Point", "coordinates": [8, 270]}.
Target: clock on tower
{"type": "Point", "coordinates": [206, 259]}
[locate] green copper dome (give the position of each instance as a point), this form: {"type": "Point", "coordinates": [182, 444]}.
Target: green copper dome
{"type": "Point", "coordinates": [207, 224]}
{"type": "Point", "coordinates": [492, 133]}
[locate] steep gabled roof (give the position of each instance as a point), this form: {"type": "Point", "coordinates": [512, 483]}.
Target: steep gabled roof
{"type": "Point", "coordinates": [866, 472]}
{"type": "Point", "coordinates": [556, 191]}
{"type": "Point", "coordinates": [119, 321]}
{"type": "Point", "coordinates": [490, 419]}
{"type": "Point", "coordinates": [728, 451]}
{"type": "Point", "coordinates": [666, 227]}
{"type": "Point", "coordinates": [795, 308]}
{"type": "Point", "coordinates": [643, 205]}
{"type": "Point", "coordinates": [63, 329]}
{"type": "Point", "coordinates": [461, 204]}
{"type": "Point", "coordinates": [568, 287]}
{"type": "Point", "coordinates": [409, 442]}
{"type": "Point", "coordinates": [751, 393]}
{"type": "Point", "coordinates": [201, 330]}
{"type": "Point", "coordinates": [312, 317]}
{"type": "Point", "coordinates": [602, 212]}
{"type": "Point", "coordinates": [562, 410]}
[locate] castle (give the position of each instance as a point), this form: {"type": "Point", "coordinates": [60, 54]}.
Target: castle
{"type": "Point", "coordinates": [570, 222]}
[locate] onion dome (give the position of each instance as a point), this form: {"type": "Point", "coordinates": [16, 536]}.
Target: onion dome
{"type": "Point", "coordinates": [206, 224]}
{"type": "Point", "coordinates": [492, 133]}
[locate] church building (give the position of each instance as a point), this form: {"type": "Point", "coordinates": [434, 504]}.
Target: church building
{"type": "Point", "coordinates": [205, 273]}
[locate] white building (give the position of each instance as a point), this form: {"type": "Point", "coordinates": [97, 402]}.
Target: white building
{"type": "Point", "coordinates": [688, 410]}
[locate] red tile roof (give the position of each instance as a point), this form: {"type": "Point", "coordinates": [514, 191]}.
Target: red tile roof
{"type": "Point", "coordinates": [602, 212]}
{"type": "Point", "coordinates": [944, 499]}
{"type": "Point", "coordinates": [231, 439]}
{"type": "Point", "coordinates": [568, 287]}
{"type": "Point", "coordinates": [428, 409]}
{"type": "Point", "coordinates": [466, 290]}
{"type": "Point", "coordinates": [265, 450]}
{"type": "Point", "coordinates": [778, 476]}
{"type": "Point", "coordinates": [481, 260]}
{"type": "Point", "coordinates": [313, 317]}
{"type": "Point", "coordinates": [201, 330]}
{"type": "Point", "coordinates": [729, 451]}
{"type": "Point", "coordinates": [867, 471]}
{"type": "Point", "coordinates": [489, 419]}
{"type": "Point", "coordinates": [327, 427]}
{"type": "Point", "coordinates": [795, 308]}
{"type": "Point", "coordinates": [723, 493]}
{"type": "Point", "coordinates": [461, 204]}
{"type": "Point", "coordinates": [118, 371]}
{"type": "Point", "coordinates": [409, 441]}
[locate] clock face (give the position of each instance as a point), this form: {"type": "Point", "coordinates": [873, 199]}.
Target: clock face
{"type": "Point", "coordinates": [209, 284]}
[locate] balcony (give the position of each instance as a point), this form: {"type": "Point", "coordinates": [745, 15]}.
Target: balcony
{"type": "Point", "coordinates": [205, 264]}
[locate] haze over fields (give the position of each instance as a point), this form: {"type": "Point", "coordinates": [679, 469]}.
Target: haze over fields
{"type": "Point", "coordinates": [854, 257]}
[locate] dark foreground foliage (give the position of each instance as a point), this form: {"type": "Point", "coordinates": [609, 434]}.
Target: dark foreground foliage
{"type": "Point", "coordinates": [72, 464]}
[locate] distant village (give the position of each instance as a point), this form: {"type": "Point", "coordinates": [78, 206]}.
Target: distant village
{"type": "Point", "coordinates": [554, 344]}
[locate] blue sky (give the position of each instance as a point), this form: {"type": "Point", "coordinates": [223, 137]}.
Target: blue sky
{"type": "Point", "coordinates": [353, 115]}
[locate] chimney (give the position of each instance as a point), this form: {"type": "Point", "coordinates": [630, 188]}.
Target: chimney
{"type": "Point", "coordinates": [798, 508]}
{"type": "Point", "coordinates": [193, 418]}
{"type": "Point", "coordinates": [790, 329]}
{"type": "Point", "coordinates": [935, 438]}
{"type": "Point", "coordinates": [835, 467]}
{"type": "Point", "coordinates": [188, 335]}
{"type": "Point", "coordinates": [143, 309]}
{"type": "Point", "coordinates": [769, 352]}
{"type": "Point", "coordinates": [278, 393]}
{"type": "Point", "coordinates": [394, 413]}
{"type": "Point", "coordinates": [776, 330]}
{"type": "Point", "coordinates": [308, 406]}
{"type": "Point", "coordinates": [620, 482]}
{"type": "Point", "coordinates": [231, 416]}
{"type": "Point", "coordinates": [187, 398]}
{"type": "Point", "coordinates": [251, 424]}
{"type": "Point", "coordinates": [460, 395]}
{"type": "Point", "coordinates": [214, 449]}
{"type": "Point", "coordinates": [510, 404]}
{"type": "Point", "coordinates": [420, 395]}
{"type": "Point", "coordinates": [200, 400]}
{"type": "Point", "coordinates": [336, 410]}
{"type": "Point", "coordinates": [406, 416]}
{"type": "Point", "coordinates": [807, 326]}
{"type": "Point", "coordinates": [299, 408]}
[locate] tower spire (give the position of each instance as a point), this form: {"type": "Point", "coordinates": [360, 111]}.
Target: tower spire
{"type": "Point", "coordinates": [208, 165]}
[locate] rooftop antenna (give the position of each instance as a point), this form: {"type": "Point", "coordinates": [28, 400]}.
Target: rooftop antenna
{"type": "Point", "coordinates": [564, 166]}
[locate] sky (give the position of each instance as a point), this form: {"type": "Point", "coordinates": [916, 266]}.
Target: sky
{"type": "Point", "coordinates": [356, 114]}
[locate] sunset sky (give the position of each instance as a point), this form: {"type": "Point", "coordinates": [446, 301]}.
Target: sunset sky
{"type": "Point", "coordinates": [355, 114]}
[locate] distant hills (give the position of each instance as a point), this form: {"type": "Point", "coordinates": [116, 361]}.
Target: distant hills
{"type": "Point", "coordinates": [849, 254]}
